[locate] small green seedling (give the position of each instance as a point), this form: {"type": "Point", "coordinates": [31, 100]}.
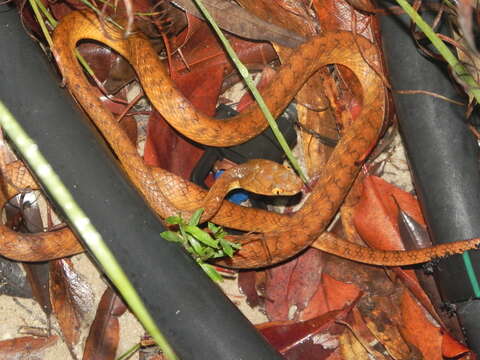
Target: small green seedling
{"type": "Point", "coordinates": [202, 245]}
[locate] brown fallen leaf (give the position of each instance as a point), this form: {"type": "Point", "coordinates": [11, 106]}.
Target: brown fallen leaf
{"type": "Point", "coordinates": [23, 215]}
{"type": "Point", "coordinates": [381, 315]}
{"type": "Point", "coordinates": [363, 5]}
{"type": "Point", "coordinates": [352, 348]}
{"type": "Point", "coordinates": [26, 347]}
{"type": "Point", "coordinates": [292, 15]}
{"type": "Point", "coordinates": [70, 297]}
{"type": "Point", "coordinates": [233, 18]}
{"type": "Point", "coordinates": [364, 335]}
{"type": "Point", "coordinates": [247, 285]}
{"type": "Point", "coordinates": [104, 334]}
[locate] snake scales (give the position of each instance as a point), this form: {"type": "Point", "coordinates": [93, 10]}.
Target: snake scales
{"type": "Point", "coordinates": [276, 237]}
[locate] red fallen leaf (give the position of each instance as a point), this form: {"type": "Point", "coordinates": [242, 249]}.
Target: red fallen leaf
{"type": "Point", "coordinates": [193, 25]}
{"type": "Point", "coordinates": [70, 297]}
{"type": "Point", "coordinates": [292, 284]}
{"type": "Point", "coordinates": [377, 213]}
{"type": "Point", "coordinates": [338, 14]}
{"type": "Point", "coordinates": [104, 334]}
{"type": "Point", "coordinates": [418, 330]}
{"type": "Point", "coordinates": [61, 8]}
{"type": "Point", "coordinates": [330, 295]}
{"type": "Point", "coordinates": [376, 220]}
{"type": "Point", "coordinates": [312, 339]}
{"type": "Point", "coordinates": [432, 341]}
{"type": "Point", "coordinates": [112, 70]}
{"type": "Point", "coordinates": [27, 347]}
{"type": "Point", "coordinates": [451, 348]}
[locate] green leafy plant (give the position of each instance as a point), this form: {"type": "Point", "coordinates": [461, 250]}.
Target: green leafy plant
{"type": "Point", "coordinates": [200, 244]}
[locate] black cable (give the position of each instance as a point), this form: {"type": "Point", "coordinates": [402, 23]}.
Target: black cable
{"type": "Point", "coordinates": [443, 156]}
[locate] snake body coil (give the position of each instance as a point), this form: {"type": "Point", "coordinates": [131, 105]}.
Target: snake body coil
{"type": "Point", "coordinates": [279, 236]}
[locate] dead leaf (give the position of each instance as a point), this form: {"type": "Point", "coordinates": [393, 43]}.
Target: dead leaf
{"type": "Point", "coordinates": [419, 331]}
{"type": "Point", "coordinates": [204, 48]}
{"type": "Point", "coordinates": [330, 295]}
{"type": "Point", "coordinates": [451, 348]}
{"type": "Point", "coordinates": [290, 286]}
{"type": "Point", "coordinates": [377, 213]}
{"type": "Point", "coordinates": [164, 146]}
{"type": "Point", "coordinates": [413, 234]}
{"type": "Point", "coordinates": [26, 347]}
{"type": "Point", "coordinates": [70, 296]}
{"type": "Point", "coordinates": [292, 15]}
{"type": "Point", "coordinates": [247, 286]}
{"type": "Point", "coordinates": [308, 340]}
{"type": "Point", "coordinates": [13, 279]}
{"type": "Point", "coordinates": [104, 334]}
{"type": "Point", "coordinates": [382, 314]}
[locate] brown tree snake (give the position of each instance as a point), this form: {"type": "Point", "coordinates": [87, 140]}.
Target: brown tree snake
{"type": "Point", "coordinates": [272, 237]}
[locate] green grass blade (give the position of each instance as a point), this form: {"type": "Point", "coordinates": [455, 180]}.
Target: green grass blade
{"type": "Point", "coordinates": [253, 89]}
{"type": "Point", "coordinates": [82, 224]}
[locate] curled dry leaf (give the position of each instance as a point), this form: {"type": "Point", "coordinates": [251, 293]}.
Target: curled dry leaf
{"type": "Point", "coordinates": [103, 338]}
{"type": "Point", "coordinates": [247, 285]}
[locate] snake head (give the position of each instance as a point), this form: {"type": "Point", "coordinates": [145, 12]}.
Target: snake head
{"type": "Point", "coordinates": [267, 177]}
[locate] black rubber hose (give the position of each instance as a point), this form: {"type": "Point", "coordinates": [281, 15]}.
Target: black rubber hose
{"type": "Point", "coordinates": [443, 156]}
{"type": "Point", "coordinates": [191, 311]}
